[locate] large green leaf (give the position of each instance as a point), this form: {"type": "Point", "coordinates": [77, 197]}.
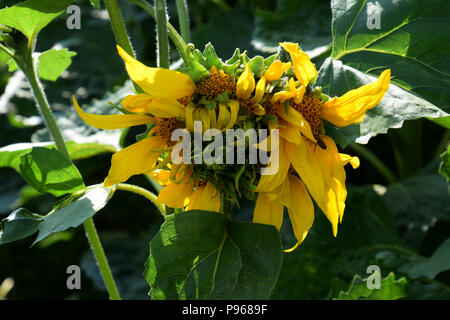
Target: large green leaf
{"type": "Point", "coordinates": [31, 16]}
{"type": "Point", "coordinates": [203, 255]}
{"type": "Point", "coordinates": [438, 262]}
{"type": "Point", "coordinates": [48, 170]}
{"type": "Point", "coordinates": [413, 40]}
{"type": "Point", "coordinates": [76, 212]}
{"type": "Point", "coordinates": [390, 289]}
{"type": "Point", "coordinates": [18, 225]}
{"type": "Point", "coordinates": [70, 212]}
{"type": "Point", "coordinates": [53, 62]}
{"type": "Point", "coordinates": [10, 155]}
{"type": "Point", "coordinates": [396, 106]}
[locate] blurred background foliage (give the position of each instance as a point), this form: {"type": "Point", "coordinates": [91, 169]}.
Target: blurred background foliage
{"type": "Point", "coordinates": [403, 226]}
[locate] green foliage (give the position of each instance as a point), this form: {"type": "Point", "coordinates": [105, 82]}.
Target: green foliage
{"type": "Point", "coordinates": [76, 212]}
{"type": "Point", "coordinates": [412, 40]}
{"type": "Point", "coordinates": [48, 170]}
{"type": "Point", "coordinates": [390, 289]}
{"type": "Point", "coordinates": [203, 255]}
{"type": "Point", "coordinates": [444, 167]}
{"type": "Point", "coordinates": [30, 17]}
{"type": "Point", "coordinates": [95, 4]}
{"type": "Point", "coordinates": [18, 225]}
{"type": "Point", "coordinates": [437, 263]}
{"type": "Point", "coordinates": [52, 63]}
{"type": "Point", "coordinates": [396, 106]}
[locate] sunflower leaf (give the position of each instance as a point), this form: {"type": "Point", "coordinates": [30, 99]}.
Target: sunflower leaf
{"type": "Point", "coordinates": [48, 170]}
{"type": "Point", "coordinates": [52, 63]}
{"type": "Point", "coordinates": [203, 255]}
{"type": "Point", "coordinates": [30, 17]}
{"type": "Point", "coordinates": [411, 38]}
{"type": "Point", "coordinates": [397, 105]}
{"type": "Point", "coordinates": [18, 225]}
{"type": "Point", "coordinates": [390, 289]}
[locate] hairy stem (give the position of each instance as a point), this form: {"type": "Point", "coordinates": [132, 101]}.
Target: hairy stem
{"type": "Point", "coordinates": [144, 193]}
{"type": "Point", "coordinates": [102, 262]}
{"type": "Point", "coordinates": [183, 18]}
{"type": "Point", "coordinates": [177, 40]}
{"type": "Point", "coordinates": [162, 34]}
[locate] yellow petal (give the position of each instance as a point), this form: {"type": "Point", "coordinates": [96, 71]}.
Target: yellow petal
{"type": "Point", "coordinates": [296, 118]}
{"type": "Point", "coordinates": [204, 117]}
{"type": "Point", "coordinates": [276, 70]}
{"type": "Point", "coordinates": [289, 132]}
{"type": "Point", "coordinates": [304, 69]}
{"type": "Point", "coordinates": [259, 91]}
{"type": "Point", "coordinates": [245, 84]}
{"type": "Point", "coordinates": [161, 176]}
{"type": "Point", "coordinates": [268, 212]}
{"type": "Point", "coordinates": [159, 107]}
{"type": "Point", "coordinates": [158, 82]}
{"type": "Point", "coordinates": [354, 161]}
{"type": "Point", "coordinates": [269, 182]}
{"type": "Point", "coordinates": [190, 109]}
{"type": "Point", "coordinates": [282, 96]}
{"type": "Point", "coordinates": [233, 106]}
{"type": "Point", "coordinates": [114, 121]}
{"type": "Point", "coordinates": [301, 213]}
{"type": "Point", "coordinates": [352, 106]}
{"type": "Point", "coordinates": [205, 198]}
{"type": "Point", "coordinates": [224, 117]}
{"type": "Point", "coordinates": [176, 195]}
{"type": "Point", "coordinates": [135, 159]}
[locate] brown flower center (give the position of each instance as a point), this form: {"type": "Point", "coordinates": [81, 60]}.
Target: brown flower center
{"type": "Point", "coordinates": [165, 126]}
{"type": "Point", "coordinates": [311, 109]}
{"type": "Point", "coordinates": [217, 83]}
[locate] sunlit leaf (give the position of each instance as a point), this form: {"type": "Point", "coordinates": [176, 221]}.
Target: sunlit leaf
{"type": "Point", "coordinates": [48, 170]}
{"type": "Point", "coordinates": [203, 255]}
{"type": "Point", "coordinates": [396, 106]}
{"type": "Point", "coordinates": [52, 63]}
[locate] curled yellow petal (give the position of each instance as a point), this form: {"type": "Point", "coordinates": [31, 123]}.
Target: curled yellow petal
{"type": "Point", "coordinates": [135, 159]}
{"type": "Point", "coordinates": [159, 107]}
{"type": "Point", "coordinates": [276, 70]}
{"type": "Point", "coordinates": [259, 91]}
{"type": "Point", "coordinates": [161, 176]}
{"type": "Point", "coordinates": [205, 198]}
{"type": "Point", "coordinates": [176, 195]}
{"type": "Point", "coordinates": [295, 118]}
{"type": "Point", "coordinates": [351, 107]}
{"type": "Point", "coordinates": [158, 82]}
{"type": "Point", "coordinates": [354, 161]}
{"type": "Point", "coordinates": [114, 121]}
{"type": "Point", "coordinates": [245, 84]}
{"type": "Point", "coordinates": [268, 211]}
{"type": "Point", "coordinates": [301, 213]}
{"type": "Point", "coordinates": [233, 106]}
{"type": "Point", "coordinates": [304, 69]}
{"type": "Point", "coordinates": [268, 182]}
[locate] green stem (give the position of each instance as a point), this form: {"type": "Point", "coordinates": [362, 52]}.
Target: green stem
{"type": "Point", "coordinates": [375, 161]}
{"type": "Point", "coordinates": [143, 192]}
{"type": "Point", "coordinates": [120, 32]}
{"type": "Point", "coordinates": [162, 34]}
{"type": "Point", "coordinates": [442, 144]}
{"type": "Point", "coordinates": [183, 18]}
{"type": "Point", "coordinates": [44, 107]}
{"type": "Point", "coordinates": [177, 40]}
{"type": "Point", "coordinates": [118, 26]}
{"type": "Point", "coordinates": [89, 226]}
{"type": "Point", "coordinates": [99, 254]}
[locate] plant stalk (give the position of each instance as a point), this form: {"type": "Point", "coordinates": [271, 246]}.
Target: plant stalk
{"type": "Point", "coordinates": [102, 262]}
{"type": "Point", "coordinates": [50, 122]}
{"type": "Point", "coordinates": [144, 193]}
{"type": "Point", "coordinates": [183, 18]}
{"type": "Point", "coordinates": [162, 34]}
{"type": "Point", "coordinates": [177, 40]}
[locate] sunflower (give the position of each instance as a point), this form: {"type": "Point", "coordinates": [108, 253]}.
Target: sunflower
{"type": "Point", "coordinates": [309, 161]}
